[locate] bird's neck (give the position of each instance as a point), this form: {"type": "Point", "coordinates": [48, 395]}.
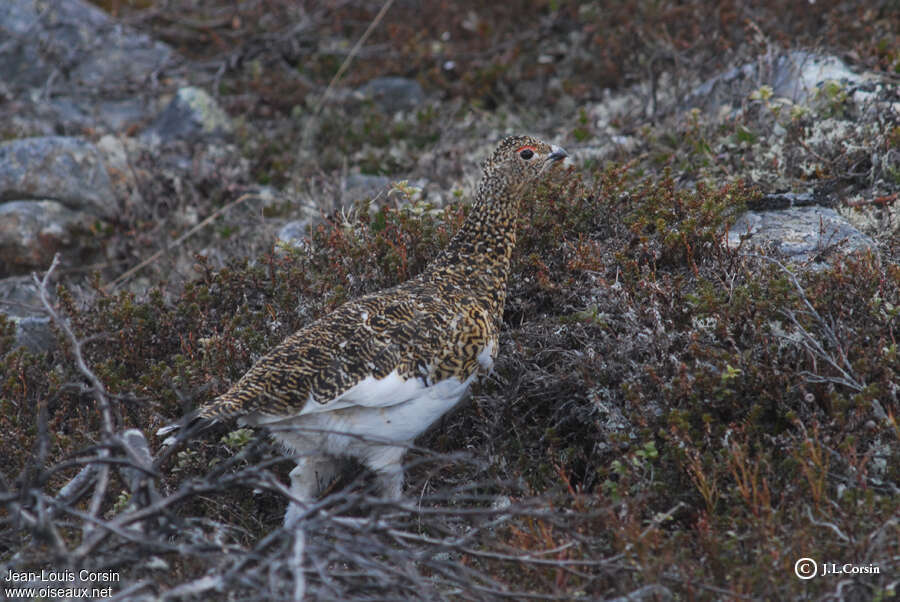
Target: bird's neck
{"type": "Point", "coordinates": [479, 254]}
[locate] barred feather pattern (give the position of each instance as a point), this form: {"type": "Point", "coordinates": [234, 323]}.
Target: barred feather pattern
{"type": "Point", "coordinates": [434, 327]}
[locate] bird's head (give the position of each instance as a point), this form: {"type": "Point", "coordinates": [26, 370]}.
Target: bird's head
{"type": "Point", "coordinates": [520, 160]}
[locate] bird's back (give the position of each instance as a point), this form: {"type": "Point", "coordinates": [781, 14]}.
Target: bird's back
{"type": "Point", "coordinates": [421, 332]}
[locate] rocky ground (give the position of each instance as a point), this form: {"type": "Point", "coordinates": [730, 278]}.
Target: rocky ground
{"type": "Point", "coordinates": [698, 379]}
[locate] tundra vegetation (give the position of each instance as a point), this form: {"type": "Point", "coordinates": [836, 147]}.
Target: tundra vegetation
{"type": "Point", "coordinates": [669, 416]}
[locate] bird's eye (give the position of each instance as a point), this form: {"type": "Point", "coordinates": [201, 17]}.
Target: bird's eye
{"type": "Point", "coordinates": [526, 153]}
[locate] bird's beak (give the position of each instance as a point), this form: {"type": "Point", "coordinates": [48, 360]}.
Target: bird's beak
{"type": "Point", "coordinates": [557, 153]}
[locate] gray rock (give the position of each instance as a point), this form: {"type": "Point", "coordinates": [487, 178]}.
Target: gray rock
{"type": "Point", "coordinates": [191, 114]}
{"type": "Point", "coordinates": [796, 75]}
{"type": "Point", "coordinates": [393, 94]}
{"type": "Point", "coordinates": [34, 334]}
{"type": "Point", "coordinates": [798, 234]}
{"type": "Point", "coordinates": [799, 75]}
{"type": "Point", "coordinates": [649, 593]}
{"type": "Point", "coordinates": [31, 232]}
{"type": "Point", "coordinates": [362, 186]}
{"type": "Point", "coordinates": [67, 115]}
{"type": "Point", "coordinates": [115, 152]}
{"type": "Point", "coordinates": [76, 43]}
{"type": "Point", "coordinates": [21, 60]}
{"type": "Point", "coordinates": [293, 233]}
{"type": "Point", "coordinates": [67, 170]}
{"type": "Point", "coordinates": [19, 297]}
{"type": "Point", "coordinates": [70, 116]}
{"type": "Point", "coordinates": [70, 67]}
{"type": "Point", "coordinates": [784, 200]}
{"type": "Point", "coordinates": [20, 302]}
{"type": "Point", "coordinates": [119, 115]}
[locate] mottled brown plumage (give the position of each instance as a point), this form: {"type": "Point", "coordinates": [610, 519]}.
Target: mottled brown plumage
{"type": "Point", "coordinates": [368, 378]}
{"type": "Point", "coordinates": [431, 327]}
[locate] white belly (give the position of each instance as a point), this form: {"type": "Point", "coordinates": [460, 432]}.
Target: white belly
{"type": "Point", "coordinates": [360, 430]}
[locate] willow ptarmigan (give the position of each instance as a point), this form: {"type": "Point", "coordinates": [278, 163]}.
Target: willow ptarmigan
{"type": "Point", "coordinates": [367, 379]}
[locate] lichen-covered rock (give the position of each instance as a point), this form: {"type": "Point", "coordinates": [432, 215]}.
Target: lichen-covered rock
{"type": "Point", "coordinates": [294, 233]}
{"type": "Point", "coordinates": [393, 94]}
{"type": "Point", "coordinates": [192, 113]}
{"type": "Point", "coordinates": [121, 114]}
{"type": "Point", "coordinates": [115, 152]}
{"type": "Point", "coordinates": [34, 115]}
{"type": "Point", "coordinates": [19, 297]}
{"type": "Point", "coordinates": [798, 234]}
{"type": "Point", "coordinates": [363, 186]}
{"type": "Point", "coordinates": [797, 76]}
{"type": "Point", "coordinates": [20, 302]}
{"type": "Point", "coordinates": [74, 41]}
{"type": "Point", "coordinates": [52, 190]}
{"type": "Point", "coordinates": [31, 232]}
{"type": "Point", "coordinates": [35, 334]}
{"type": "Point", "coordinates": [88, 68]}
{"type": "Point", "coordinates": [67, 170]}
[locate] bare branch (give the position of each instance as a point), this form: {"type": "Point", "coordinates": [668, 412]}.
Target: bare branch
{"type": "Point", "coordinates": [811, 343]}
